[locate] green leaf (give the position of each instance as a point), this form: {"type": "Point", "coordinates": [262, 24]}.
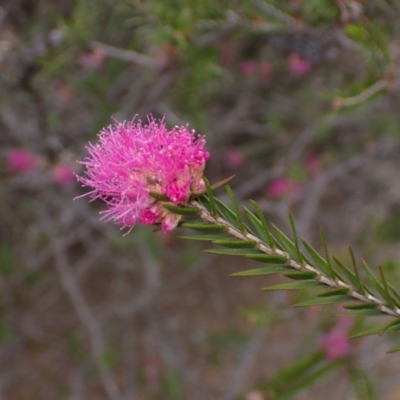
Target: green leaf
{"type": "Point", "coordinates": [327, 258]}
{"type": "Point", "coordinates": [319, 261]}
{"type": "Point", "coordinates": [295, 238]}
{"type": "Point", "coordinates": [364, 332]}
{"type": "Point", "coordinates": [353, 260]}
{"type": "Point", "coordinates": [325, 300]}
{"type": "Point", "coordinates": [210, 196]}
{"type": "Point", "coordinates": [361, 306]}
{"type": "Point", "coordinates": [377, 285]}
{"type": "Point", "coordinates": [395, 325]}
{"type": "Point", "coordinates": [271, 269]}
{"type": "Point", "coordinates": [225, 212]}
{"type": "Point", "coordinates": [294, 285]}
{"type": "Point", "coordinates": [204, 227]}
{"type": "Point", "coordinates": [217, 185]}
{"type": "Point", "coordinates": [333, 292]}
{"type": "Point", "coordinates": [235, 206]}
{"type": "Point", "coordinates": [364, 313]}
{"type": "Point", "coordinates": [284, 241]}
{"type": "Point", "coordinates": [393, 350]}
{"type": "Point", "coordinates": [243, 244]}
{"type": "Point", "coordinates": [158, 196]}
{"type": "Point", "coordinates": [300, 275]}
{"type": "Point", "coordinates": [385, 287]}
{"type": "Point", "coordinates": [205, 237]}
{"type": "Point", "coordinates": [268, 258]}
{"type": "Point", "coordinates": [266, 235]}
{"type": "Point", "coordinates": [354, 280]}
{"type": "Point", "coordinates": [256, 223]}
{"type": "Point", "coordinates": [181, 210]}
{"type": "Point", "coordinates": [231, 252]}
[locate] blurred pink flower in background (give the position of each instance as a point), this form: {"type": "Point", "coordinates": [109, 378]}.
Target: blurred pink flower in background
{"type": "Point", "coordinates": [21, 160]}
{"type": "Point", "coordinates": [248, 67]}
{"type": "Point", "coordinates": [92, 59]}
{"type": "Point", "coordinates": [63, 174]}
{"type": "Point", "coordinates": [281, 187]}
{"type": "Point", "coordinates": [336, 342]}
{"type": "Point", "coordinates": [313, 165]}
{"type": "Point", "coordinates": [298, 66]}
{"type": "Point", "coordinates": [234, 158]}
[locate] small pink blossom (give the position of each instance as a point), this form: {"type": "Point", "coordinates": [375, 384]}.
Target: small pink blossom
{"type": "Point", "coordinates": [21, 160]}
{"type": "Point", "coordinates": [298, 66]}
{"type": "Point", "coordinates": [336, 342]}
{"type": "Point", "coordinates": [234, 158]}
{"type": "Point", "coordinates": [132, 160]}
{"type": "Point", "coordinates": [248, 67]}
{"type": "Point", "coordinates": [63, 174]}
{"type": "Point", "coordinates": [284, 188]}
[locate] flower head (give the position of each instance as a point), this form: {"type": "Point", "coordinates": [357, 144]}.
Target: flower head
{"type": "Point", "coordinates": [133, 160]}
{"type": "Point", "coordinates": [63, 174]}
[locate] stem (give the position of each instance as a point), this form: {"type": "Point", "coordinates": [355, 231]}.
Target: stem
{"type": "Point", "coordinates": [295, 264]}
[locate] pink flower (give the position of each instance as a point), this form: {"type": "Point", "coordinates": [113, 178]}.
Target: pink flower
{"type": "Point", "coordinates": [248, 67]}
{"type": "Point", "coordinates": [132, 160]}
{"type": "Point", "coordinates": [21, 160]}
{"type": "Point", "coordinates": [336, 342]}
{"type": "Point", "coordinates": [63, 174]}
{"type": "Point", "coordinates": [234, 158]}
{"type": "Point", "coordinates": [313, 165]}
{"type": "Point", "coordinates": [284, 187]}
{"type": "Point", "coordinates": [297, 66]}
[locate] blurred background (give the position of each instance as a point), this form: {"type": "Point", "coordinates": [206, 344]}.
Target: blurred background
{"type": "Point", "coordinates": [299, 99]}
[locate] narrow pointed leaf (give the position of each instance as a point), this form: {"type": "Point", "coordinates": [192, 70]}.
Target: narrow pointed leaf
{"type": "Point", "coordinates": [352, 279]}
{"type": "Point", "coordinates": [257, 224]}
{"type": "Point", "coordinates": [158, 196]}
{"type": "Point", "coordinates": [271, 269]}
{"type": "Point", "coordinates": [353, 261]}
{"type": "Point", "coordinates": [363, 313]}
{"type": "Point", "coordinates": [377, 285]}
{"type": "Point", "coordinates": [285, 242]}
{"type": "Point", "coordinates": [373, 330]}
{"type": "Point", "coordinates": [204, 227]}
{"type": "Point", "coordinates": [209, 237]}
{"type": "Point", "coordinates": [295, 285]}
{"type": "Point", "coordinates": [325, 300]}
{"type": "Point", "coordinates": [217, 185]}
{"type": "Point", "coordinates": [225, 212]}
{"type": "Point", "coordinates": [242, 244]}
{"type": "Point", "coordinates": [300, 275]}
{"type": "Point", "coordinates": [393, 350]}
{"type": "Point", "coordinates": [385, 287]}
{"type": "Point", "coordinates": [361, 306]}
{"type": "Point", "coordinates": [268, 258]}
{"type": "Point", "coordinates": [395, 325]}
{"type": "Point", "coordinates": [266, 233]}
{"type": "Point", "coordinates": [295, 238]}
{"type": "Point", "coordinates": [235, 206]}
{"type": "Point", "coordinates": [210, 196]}
{"type": "Point", "coordinates": [318, 260]}
{"type": "Point", "coordinates": [181, 210]}
{"type": "Point", "coordinates": [231, 252]}
{"type": "Point", "coordinates": [327, 258]}
{"type": "Point", "coordinates": [333, 292]}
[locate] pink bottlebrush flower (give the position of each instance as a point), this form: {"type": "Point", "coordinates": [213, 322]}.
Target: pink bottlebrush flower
{"type": "Point", "coordinates": [21, 160]}
{"type": "Point", "coordinates": [63, 174]}
{"type": "Point", "coordinates": [298, 66]}
{"type": "Point", "coordinates": [132, 160]}
{"type": "Point", "coordinates": [336, 342]}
